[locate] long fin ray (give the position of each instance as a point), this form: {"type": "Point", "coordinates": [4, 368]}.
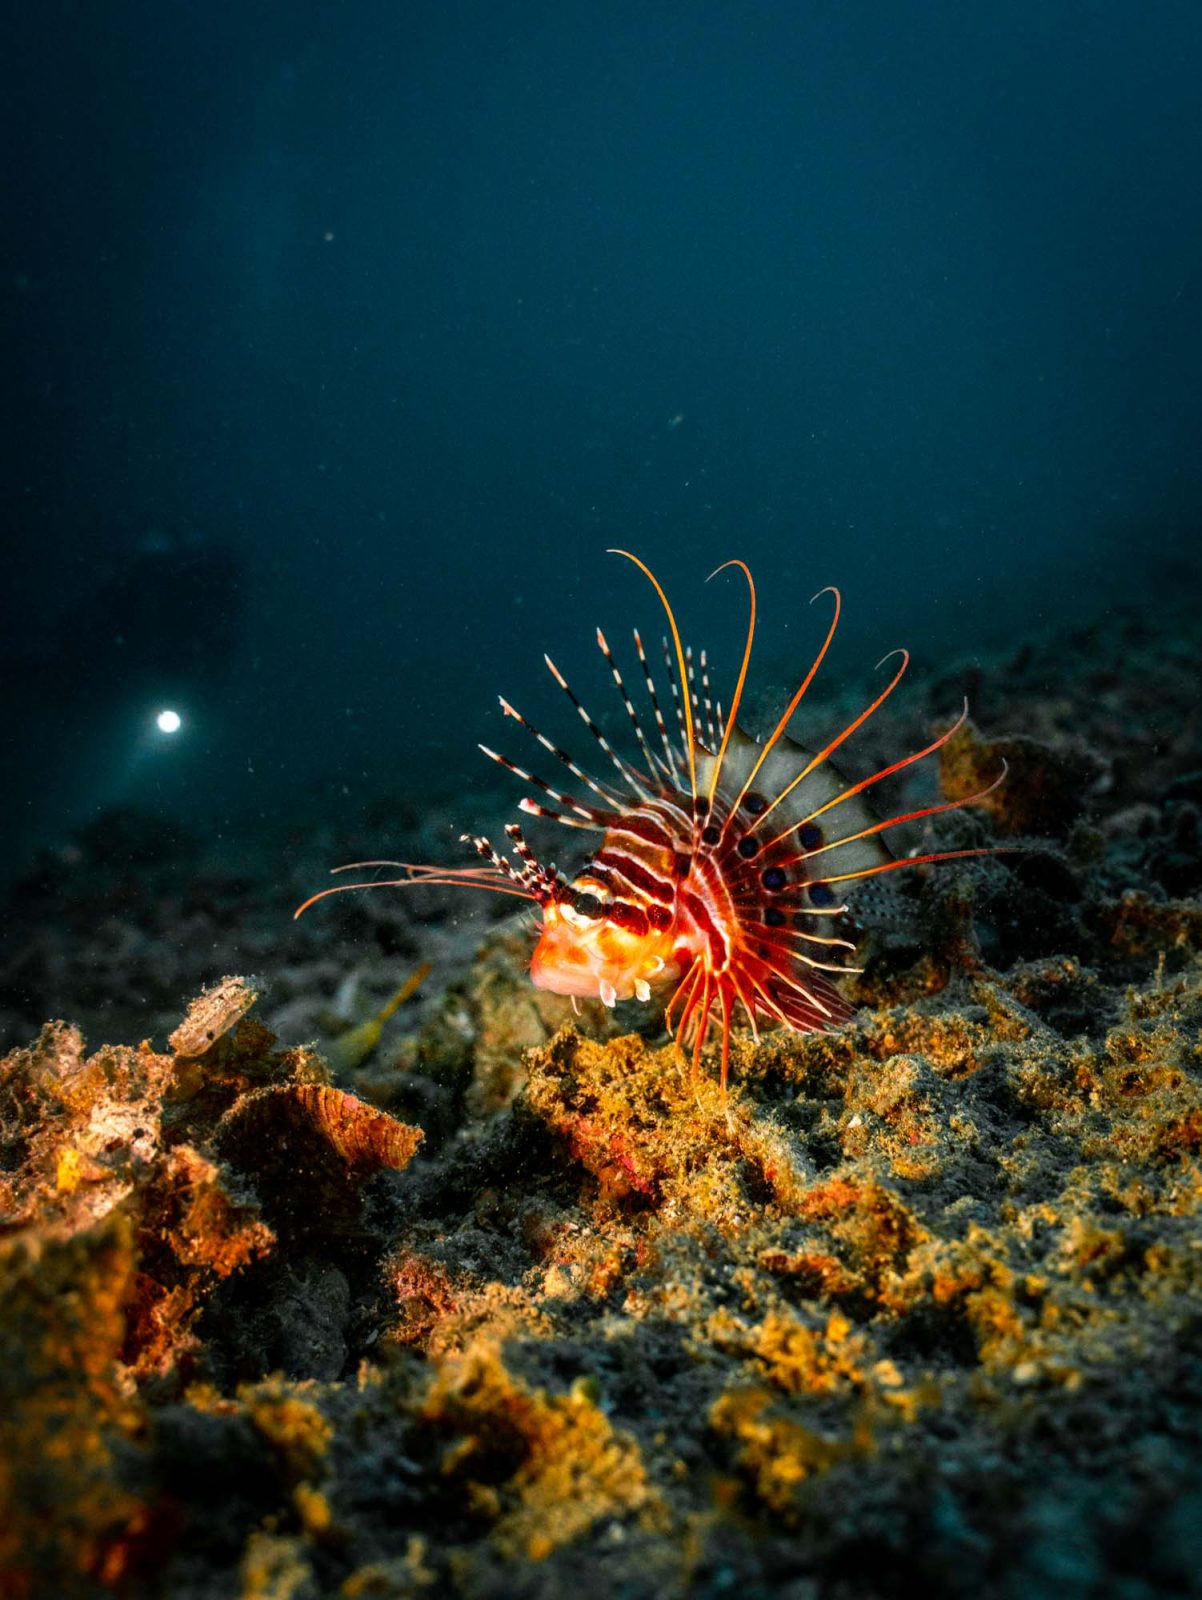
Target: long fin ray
{"type": "Point", "coordinates": [817, 762]}
{"type": "Point", "coordinates": [652, 762]}
{"type": "Point", "coordinates": [849, 793]}
{"type": "Point", "coordinates": [737, 697]}
{"type": "Point", "coordinates": [631, 776]}
{"type": "Point", "coordinates": [823, 784]}
{"type": "Point", "coordinates": [690, 738]}
{"type": "Point", "coordinates": [778, 732]}
{"type": "Point", "coordinates": [612, 802]}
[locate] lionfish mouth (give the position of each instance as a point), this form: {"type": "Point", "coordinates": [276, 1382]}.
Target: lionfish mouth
{"type": "Point", "coordinates": [725, 862]}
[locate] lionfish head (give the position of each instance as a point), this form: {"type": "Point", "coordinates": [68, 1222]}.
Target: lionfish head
{"type": "Point", "coordinates": [598, 948]}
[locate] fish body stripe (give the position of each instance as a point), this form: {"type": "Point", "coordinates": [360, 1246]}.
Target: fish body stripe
{"type": "Point", "coordinates": [654, 850]}
{"type": "Point", "coordinates": [646, 845]}
{"type": "Point", "coordinates": [639, 877]}
{"type": "Point", "coordinates": [709, 926]}
{"type": "Point", "coordinates": [646, 828]}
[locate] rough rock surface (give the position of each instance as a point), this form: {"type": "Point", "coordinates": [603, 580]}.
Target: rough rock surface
{"type": "Point", "coordinates": [514, 1308]}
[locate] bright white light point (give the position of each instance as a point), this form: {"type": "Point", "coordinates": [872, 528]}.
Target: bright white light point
{"type": "Point", "coordinates": [168, 722]}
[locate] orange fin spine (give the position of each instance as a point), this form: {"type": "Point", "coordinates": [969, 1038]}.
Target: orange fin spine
{"type": "Point", "coordinates": [918, 861]}
{"type": "Point", "coordinates": [737, 697]}
{"type": "Point", "coordinates": [688, 1020]}
{"type": "Point", "coordinates": [839, 739]}
{"type": "Point", "coordinates": [778, 731]}
{"type": "Point", "coordinates": [748, 1006]}
{"type": "Point", "coordinates": [724, 993]}
{"type": "Point", "coordinates": [792, 955]}
{"type": "Point", "coordinates": [810, 938]}
{"type": "Point", "coordinates": [894, 822]}
{"type": "Point", "coordinates": [702, 1023]}
{"type": "Point", "coordinates": [771, 1006]}
{"type": "Point", "coordinates": [877, 777]}
{"type": "Point", "coordinates": [686, 698]}
{"type": "Point", "coordinates": [687, 983]}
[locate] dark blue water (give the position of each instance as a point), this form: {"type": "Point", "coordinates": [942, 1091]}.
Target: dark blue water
{"type": "Point", "coordinates": [344, 340]}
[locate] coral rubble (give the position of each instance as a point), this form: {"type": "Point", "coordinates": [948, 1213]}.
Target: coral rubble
{"type": "Point", "coordinates": [125, 1201]}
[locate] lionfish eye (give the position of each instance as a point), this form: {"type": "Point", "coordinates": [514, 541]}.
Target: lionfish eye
{"type": "Point", "coordinates": [588, 905]}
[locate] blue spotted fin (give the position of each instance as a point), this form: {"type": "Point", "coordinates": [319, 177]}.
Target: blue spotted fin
{"type": "Point", "coordinates": [816, 790]}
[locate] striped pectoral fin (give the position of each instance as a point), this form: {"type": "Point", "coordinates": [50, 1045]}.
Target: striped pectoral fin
{"type": "Point", "coordinates": [787, 991]}
{"type": "Point", "coordinates": [812, 1005]}
{"type": "Point", "coordinates": [774, 778]}
{"type": "Point", "coordinates": [799, 810]}
{"type": "Point", "coordinates": [741, 751]}
{"type": "Point", "coordinates": [835, 845]}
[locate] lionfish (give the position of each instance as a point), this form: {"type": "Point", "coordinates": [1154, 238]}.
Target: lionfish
{"type": "Point", "coordinates": [724, 861]}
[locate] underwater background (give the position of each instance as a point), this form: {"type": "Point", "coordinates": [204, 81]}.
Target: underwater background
{"type": "Point", "coordinates": [345, 340]}
{"type": "Point", "coordinates": [343, 343]}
